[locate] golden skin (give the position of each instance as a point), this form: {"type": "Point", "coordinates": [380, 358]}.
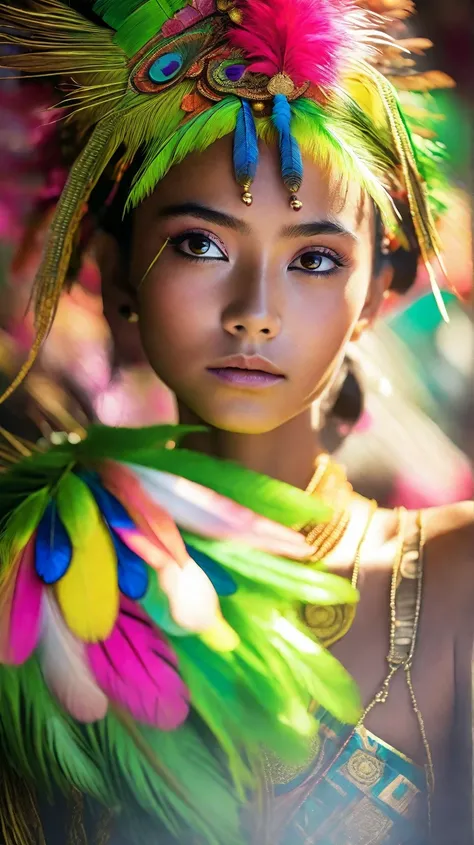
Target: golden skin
{"type": "Point", "coordinates": [192, 313]}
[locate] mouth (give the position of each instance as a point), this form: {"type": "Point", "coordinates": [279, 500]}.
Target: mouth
{"type": "Point", "coordinates": [253, 371]}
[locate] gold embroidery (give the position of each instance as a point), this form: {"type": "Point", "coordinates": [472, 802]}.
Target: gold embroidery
{"type": "Point", "coordinates": [363, 769]}
{"type": "Point", "coordinates": [408, 793]}
{"type": "Point", "coordinates": [366, 825]}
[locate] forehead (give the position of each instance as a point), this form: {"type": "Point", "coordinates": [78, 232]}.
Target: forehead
{"type": "Point", "coordinates": [208, 179]}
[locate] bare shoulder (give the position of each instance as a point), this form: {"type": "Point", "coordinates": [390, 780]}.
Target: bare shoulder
{"type": "Point", "coordinates": [449, 548]}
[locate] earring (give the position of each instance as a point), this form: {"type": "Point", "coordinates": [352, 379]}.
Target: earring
{"type": "Point", "coordinates": [128, 314]}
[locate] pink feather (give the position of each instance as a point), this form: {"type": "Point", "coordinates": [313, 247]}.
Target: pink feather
{"type": "Point", "coordinates": [65, 667]}
{"type": "Point", "coordinates": [137, 669]}
{"type": "Point", "coordinates": [309, 40]}
{"type": "Point", "coordinates": [25, 611]}
{"type": "Point", "coordinates": [152, 520]}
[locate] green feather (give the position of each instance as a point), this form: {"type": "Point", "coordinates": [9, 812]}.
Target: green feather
{"type": "Point", "coordinates": [41, 740]}
{"type": "Point", "coordinates": [116, 12]}
{"type": "Point", "coordinates": [291, 580]}
{"type": "Point", "coordinates": [162, 770]}
{"type": "Point", "coordinates": [108, 443]}
{"type": "Point", "coordinates": [145, 23]}
{"type": "Point", "coordinates": [19, 527]}
{"type": "Point", "coordinates": [195, 135]}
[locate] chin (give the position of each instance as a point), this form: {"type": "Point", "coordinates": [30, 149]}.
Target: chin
{"type": "Point", "coordinates": [240, 420]}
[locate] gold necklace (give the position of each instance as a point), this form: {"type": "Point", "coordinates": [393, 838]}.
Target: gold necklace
{"type": "Point", "coordinates": [330, 484]}
{"type": "Point", "coordinates": [331, 623]}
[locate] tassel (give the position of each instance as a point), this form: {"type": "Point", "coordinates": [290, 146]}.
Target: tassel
{"type": "Point", "coordinates": [245, 151]}
{"type": "Point", "coordinates": [290, 154]}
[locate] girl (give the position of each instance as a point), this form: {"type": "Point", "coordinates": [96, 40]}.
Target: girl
{"type": "Point", "coordinates": [245, 310]}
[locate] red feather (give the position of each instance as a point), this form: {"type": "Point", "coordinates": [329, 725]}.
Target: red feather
{"type": "Point", "coordinates": [137, 669]}
{"type": "Point", "coordinates": [309, 40]}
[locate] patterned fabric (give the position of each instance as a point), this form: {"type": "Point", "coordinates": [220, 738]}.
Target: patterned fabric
{"type": "Point", "coordinates": [362, 792]}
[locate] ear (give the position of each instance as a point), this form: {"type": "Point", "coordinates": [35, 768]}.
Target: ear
{"type": "Point", "coordinates": [119, 301]}
{"type": "Point", "coordinates": [378, 288]}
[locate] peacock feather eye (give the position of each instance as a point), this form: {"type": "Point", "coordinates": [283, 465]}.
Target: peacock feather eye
{"type": "Point", "coordinates": [164, 62]}
{"type": "Point", "coordinates": [165, 67]}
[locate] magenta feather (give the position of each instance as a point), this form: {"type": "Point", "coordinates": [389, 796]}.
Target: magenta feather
{"type": "Point", "coordinates": [65, 667]}
{"type": "Point", "coordinates": [25, 612]}
{"type": "Point", "coordinates": [309, 40]}
{"type": "Point", "coordinates": [137, 669]}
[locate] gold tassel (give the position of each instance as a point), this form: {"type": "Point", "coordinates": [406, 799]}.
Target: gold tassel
{"type": "Point", "coordinates": [51, 276]}
{"type": "Point", "coordinates": [424, 225]}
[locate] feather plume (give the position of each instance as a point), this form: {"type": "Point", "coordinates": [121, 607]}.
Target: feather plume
{"type": "Point", "coordinates": [137, 670]}
{"type": "Point", "coordinates": [193, 601]}
{"type": "Point", "coordinates": [275, 500]}
{"type": "Point", "coordinates": [194, 135]}
{"type": "Point", "coordinates": [64, 665]}
{"type": "Point", "coordinates": [26, 609]}
{"type": "Point", "coordinates": [53, 547]}
{"type": "Point", "coordinates": [136, 21]}
{"type": "Point", "coordinates": [133, 576]}
{"type": "Point", "coordinates": [290, 155]}
{"type": "Point", "coordinates": [308, 40]}
{"type": "Point", "coordinates": [88, 593]}
{"type": "Point", "coordinates": [245, 146]}
{"type": "Point", "coordinates": [201, 510]}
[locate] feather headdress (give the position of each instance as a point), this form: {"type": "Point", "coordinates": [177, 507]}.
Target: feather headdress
{"type": "Point", "coordinates": [170, 77]}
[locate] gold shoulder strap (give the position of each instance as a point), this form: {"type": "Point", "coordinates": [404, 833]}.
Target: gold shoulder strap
{"type": "Point", "coordinates": [406, 594]}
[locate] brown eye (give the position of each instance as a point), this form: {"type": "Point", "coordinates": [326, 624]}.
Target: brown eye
{"type": "Point", "coordinates": [311, 261]}
{"type": "Point", "coordinates": [317, 262]}
{"type": "Point", "coordinates": [199, 245]}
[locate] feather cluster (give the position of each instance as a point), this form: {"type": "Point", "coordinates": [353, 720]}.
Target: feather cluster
{"type": "Point", "coordinates": [141, 594]}
{"type": "Point", "coordinates": [308, 40]}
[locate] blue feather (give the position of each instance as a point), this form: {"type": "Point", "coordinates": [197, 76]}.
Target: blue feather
{"type": "Point", "coordinates": [245, 146]}
{"type": "Point", "coordinates": [53, 547]}
{"type": "Point", "coordinates": [222, 582]}
{"type": "Point", "coordinates": [112, 510]}
{"type": "Point", "coordinates": [133, 575]}
{"type": "Point", "coordinates": [290, 153]}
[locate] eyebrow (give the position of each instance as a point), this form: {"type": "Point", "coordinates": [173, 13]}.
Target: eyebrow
{"type": "Point", "coordinates": [228, 221]}
{"type": "Point", "coordinates": [319, 227]}
{"type": "Point", "coordinates": [211, 215]}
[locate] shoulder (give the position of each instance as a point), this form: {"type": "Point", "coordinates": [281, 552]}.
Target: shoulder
{"type": "Point", "coordinates": [449, 556]}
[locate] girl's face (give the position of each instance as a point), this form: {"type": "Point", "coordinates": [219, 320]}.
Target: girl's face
{"type": "Point", "coordinates": [247, 313]}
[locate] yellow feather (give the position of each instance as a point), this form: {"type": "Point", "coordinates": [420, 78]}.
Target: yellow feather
{"type": "Point", "coordinates": [88, 594]}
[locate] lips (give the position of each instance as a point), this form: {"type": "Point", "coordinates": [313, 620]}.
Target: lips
{"type": "Point", "coordinates": [248, 371]}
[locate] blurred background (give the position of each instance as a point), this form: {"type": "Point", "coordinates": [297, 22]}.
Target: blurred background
{"type": "Point", "coordinates": [414, 442]}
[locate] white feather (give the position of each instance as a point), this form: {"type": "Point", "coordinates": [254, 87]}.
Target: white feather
{"type": "Point", "coordinates": [65, 668]}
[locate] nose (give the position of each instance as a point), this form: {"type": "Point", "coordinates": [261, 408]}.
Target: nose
{"type": "Point", "coordinates": [253, 313]}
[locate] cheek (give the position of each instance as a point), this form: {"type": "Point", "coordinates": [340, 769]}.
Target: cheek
{"type": "Point", "coordinates": [323, 329]}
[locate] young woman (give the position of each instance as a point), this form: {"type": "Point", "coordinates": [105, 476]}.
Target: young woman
{"type": "Point", "coordinates": [245, 310]}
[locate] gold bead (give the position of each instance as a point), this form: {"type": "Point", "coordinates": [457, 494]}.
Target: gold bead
{"type": "Point", "coordinates": [247, 198]}
{"type": "Point", "coordinates": [236, 16]}
{"type": "Point", "coordinates": [258, 107]}
{"type": "Point", "coordinates": [295, 203]}
{"type": "Point", "coordinates": [224, 5]}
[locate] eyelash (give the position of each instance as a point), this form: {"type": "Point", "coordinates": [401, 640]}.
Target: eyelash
{"type": "Point", "coordinates": [324, 252]}
{"type": "Point", "coordinates": [179, 240]}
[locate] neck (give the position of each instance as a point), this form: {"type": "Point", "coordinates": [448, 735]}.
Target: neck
{"type": "Point", "coordinates": [287, 453]}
